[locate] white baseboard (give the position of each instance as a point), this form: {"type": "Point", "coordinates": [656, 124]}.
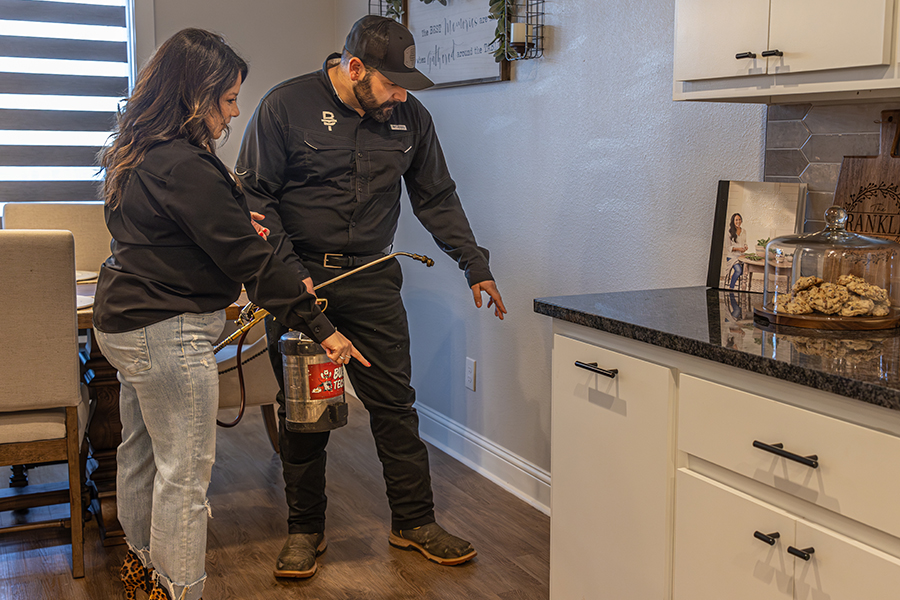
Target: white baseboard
{"type": "Point", "coordinates": [514, 474]}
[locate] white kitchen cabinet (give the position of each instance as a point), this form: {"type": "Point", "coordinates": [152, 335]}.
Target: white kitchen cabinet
{"type": "Point", "coordinates": [611, 493]}
{"type": "Point", "coordinates": [811, 35]}
{"type": "Point", "coordinates": [709, 33]}
{"type": "Point", "coordinates": [721, 551]}
{"type": "Point", "coordinates": [733, 428]}
{"type": "Point", "coordinates": [716, 553]}
{"type": "Point", "coordinates": [625, 526]}
{"type": "Point", "coordinates": [827, 48]}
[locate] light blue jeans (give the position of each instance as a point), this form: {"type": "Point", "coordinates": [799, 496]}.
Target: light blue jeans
{"type": "Point", "coordinates": [168, 402]}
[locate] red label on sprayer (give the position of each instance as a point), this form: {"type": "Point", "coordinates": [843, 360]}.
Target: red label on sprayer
{"type": "Point", "coordinates": [326, 380]}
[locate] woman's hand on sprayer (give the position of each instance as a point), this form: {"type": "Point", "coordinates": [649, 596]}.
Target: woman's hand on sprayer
{"type": "Point", "coordinates": [340, 350]}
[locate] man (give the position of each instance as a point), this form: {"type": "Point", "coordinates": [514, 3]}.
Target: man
{"type": "Point", "coordinates": [322, 158]}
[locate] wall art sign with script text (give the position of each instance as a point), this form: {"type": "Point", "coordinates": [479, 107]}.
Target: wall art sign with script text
{"type": "Point", "coordinates": [454, 43]}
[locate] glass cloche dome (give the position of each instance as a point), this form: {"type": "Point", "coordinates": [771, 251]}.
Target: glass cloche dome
{"type": "Point", "coordinates": [831, 279]}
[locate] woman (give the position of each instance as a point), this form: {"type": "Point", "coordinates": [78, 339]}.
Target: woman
{"type": "Point", "coordinates": [736, 246]}
{"type": "Point", "coordinates": [183, 242]}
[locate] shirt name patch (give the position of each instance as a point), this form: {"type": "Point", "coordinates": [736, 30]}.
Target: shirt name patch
{"type": "Point", "coordinates": [328, 119]}
{"type": "Point", "coordinates": [398, 127]}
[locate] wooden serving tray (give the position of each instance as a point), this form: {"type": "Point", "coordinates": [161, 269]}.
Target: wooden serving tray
{"type": "Point", "coordinates": [821, 321]}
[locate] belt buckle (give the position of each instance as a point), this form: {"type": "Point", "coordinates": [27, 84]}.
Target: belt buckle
{"type": "Point", "coordinates": [325, 261]}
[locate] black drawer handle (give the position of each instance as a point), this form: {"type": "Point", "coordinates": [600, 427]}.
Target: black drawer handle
{"type": "Point", "coordinates": [804, 554]}
{"type": "Point", "coordinates": [593, 368]}
{"type": "Point", "coordinates": [744, 55]}
{"type": "Point", "coordinates": [773, 53]}
{"type": "Point", "coordinates": [811, 461]}
{"type": "Point", "coordinates": [767, 538]}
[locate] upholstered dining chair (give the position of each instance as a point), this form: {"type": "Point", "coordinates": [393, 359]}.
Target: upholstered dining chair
{"type": "Point", "coordinates": [84, 219]}
{"type": "Point", "coordinates": [259, 380]}
{"type": "Point", "coordinates": [43, 406]}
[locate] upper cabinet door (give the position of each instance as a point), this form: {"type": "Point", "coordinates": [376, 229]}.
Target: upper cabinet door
{"type": "Point", "coordinates": [710, 33]}
{"type": "Point", "coordinates": [829, 34]}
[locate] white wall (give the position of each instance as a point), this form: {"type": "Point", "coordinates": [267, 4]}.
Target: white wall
{"type": "Point", "coordinates": [580, 175]}
{"type": "Point", "coordinates": [279, 40]}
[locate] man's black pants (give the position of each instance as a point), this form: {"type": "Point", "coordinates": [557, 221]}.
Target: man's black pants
{"type": "Point", "coordinates": [366, 307]}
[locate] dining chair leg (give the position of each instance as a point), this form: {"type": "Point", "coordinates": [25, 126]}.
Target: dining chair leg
{"type": "Point", "coordinates": [76, 511]}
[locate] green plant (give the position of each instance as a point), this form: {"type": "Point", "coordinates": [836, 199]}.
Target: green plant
{"type": "Point", "coordinates": [394, 9]}
{"type": "Point", "coordinates": [498, 12]}
{"type": "Point", "coordinates": [763, 241]}
{"type": "Point", "coordinates": [444, 2]}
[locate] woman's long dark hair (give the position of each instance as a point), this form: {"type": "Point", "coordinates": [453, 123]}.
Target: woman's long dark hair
{"type": "Point", "coordinates": [178, 88]}
{"type": "Point", "coordinates": [732, 229]}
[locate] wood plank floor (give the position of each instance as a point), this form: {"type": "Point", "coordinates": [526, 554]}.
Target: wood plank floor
{"type": "Point", "coordinates": [248, 529]}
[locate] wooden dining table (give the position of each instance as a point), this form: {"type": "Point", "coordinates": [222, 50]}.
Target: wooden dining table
{"type": "Point", "coordinates": [104, 430]}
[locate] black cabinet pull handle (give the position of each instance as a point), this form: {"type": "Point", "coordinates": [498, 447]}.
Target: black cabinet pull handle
{"type": "Point", "coordinates": [804, 554]}
{"type": "Point", "coordinates": [767, 538]}
{"type": "Point", "coordinates": [592, 367]}
{"type": "Point", "coordinates": [811, 461]}
{"type": "Point", "coordinates": [745, 55]}
{"type": "Point", "coordinates": [773, 53]}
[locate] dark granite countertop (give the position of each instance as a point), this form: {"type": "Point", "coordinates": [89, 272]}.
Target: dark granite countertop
{"type": "Point", "coordinates": [718, 325]}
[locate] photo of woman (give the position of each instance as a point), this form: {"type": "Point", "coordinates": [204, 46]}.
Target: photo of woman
{"type": "Point", "coordinates": [748, 215]}
{"type": "Point", "coordinates": [735, 247]}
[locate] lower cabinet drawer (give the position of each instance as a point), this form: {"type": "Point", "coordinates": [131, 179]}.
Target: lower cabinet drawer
{"type": "Point", "coordinates": [856, 470]}
{"type": "Point", "coordinates": [718, 553]}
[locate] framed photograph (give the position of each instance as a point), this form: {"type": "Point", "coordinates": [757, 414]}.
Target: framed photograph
{"type": "Point", "coordinates": [748, 215]}
{"type": "Point", "coordinates": [454, 42]}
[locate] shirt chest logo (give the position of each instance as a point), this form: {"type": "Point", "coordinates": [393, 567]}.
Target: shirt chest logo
{"type": "Point", "coordinates": [398, 127]}
{"type": "Point", "coordinates": [328, 119]}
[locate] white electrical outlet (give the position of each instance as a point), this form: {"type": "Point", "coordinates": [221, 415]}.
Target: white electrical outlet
{"type": "Point", "coordinates": [470, 373]}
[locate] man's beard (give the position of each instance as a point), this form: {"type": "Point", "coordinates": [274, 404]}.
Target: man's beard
{"type": "Point", "coordinates": [363, 91]}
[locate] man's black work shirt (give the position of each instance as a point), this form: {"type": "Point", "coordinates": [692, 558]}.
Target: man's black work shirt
{"type": "Point", "coordinates": [328, 180]}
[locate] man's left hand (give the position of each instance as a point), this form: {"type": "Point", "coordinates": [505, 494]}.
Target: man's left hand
{"type": "Point", "coordinates": [495, 300]}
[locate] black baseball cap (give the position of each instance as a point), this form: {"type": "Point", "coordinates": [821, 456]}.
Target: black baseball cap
{"type": "Point", "coordinates": [387, 46]}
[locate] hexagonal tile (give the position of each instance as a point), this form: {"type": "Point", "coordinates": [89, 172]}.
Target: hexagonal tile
{"type": "Point", "coordinates": [786, 134]}
{"type": "Point", "coordinates": [787, 112]}
{"type": "Point", "coordinates": [833, 147]}
{"type": "Point", "coordinates": [845, 118]}
{"type": "Point", "coordinates": [821, 177]}
{"type": "Point", "coordinates": [785, 163]}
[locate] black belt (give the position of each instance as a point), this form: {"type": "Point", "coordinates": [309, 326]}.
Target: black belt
{"type": "Point", "coordinates": [340, 261]}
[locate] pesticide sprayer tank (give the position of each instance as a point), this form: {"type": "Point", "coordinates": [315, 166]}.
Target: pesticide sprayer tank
{"type": "Point", "coordinates": [313, 386]}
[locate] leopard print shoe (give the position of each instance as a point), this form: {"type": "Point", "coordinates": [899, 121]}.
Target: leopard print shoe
{"type": "Point", "coordinates": [135, 576]}
{"type": "Point", "coordinates": [158, 593]}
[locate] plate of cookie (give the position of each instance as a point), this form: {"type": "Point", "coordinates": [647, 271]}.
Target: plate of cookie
{"type": "Point", "coordinates": [848, 303]}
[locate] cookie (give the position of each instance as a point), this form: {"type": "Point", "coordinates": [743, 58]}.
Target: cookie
{"type": "Point", "coordinates": [857, 306]}
{"type": "Point", "coordinates": [804, 283]}
{"type": "Point", "coordinates": [828, 298]}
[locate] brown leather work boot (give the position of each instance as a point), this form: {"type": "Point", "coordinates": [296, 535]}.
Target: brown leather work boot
{"type": "Point", "coordinates": [434, 543]}
{"type": "Point", "coordinates": [298, 556]}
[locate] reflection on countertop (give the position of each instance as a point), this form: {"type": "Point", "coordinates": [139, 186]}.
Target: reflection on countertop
{"type": "Point", "coordinates": [718, 325]}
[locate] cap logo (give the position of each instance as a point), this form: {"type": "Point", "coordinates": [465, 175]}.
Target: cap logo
{"type": "Point", "coordinates": [409, 57]}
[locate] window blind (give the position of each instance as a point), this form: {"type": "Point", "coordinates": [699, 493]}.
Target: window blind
{"type": "Point", "coordinates": [63, 69]}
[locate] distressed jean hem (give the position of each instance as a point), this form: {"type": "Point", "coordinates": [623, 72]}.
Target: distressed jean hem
{"type": "Point", "coordinates": [143, 555]}
{"type": "Point", "coordinates": [192, 591]}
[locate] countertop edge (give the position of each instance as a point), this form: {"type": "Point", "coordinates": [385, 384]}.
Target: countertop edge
{"type": "Point", "coordinates": [842, 386]}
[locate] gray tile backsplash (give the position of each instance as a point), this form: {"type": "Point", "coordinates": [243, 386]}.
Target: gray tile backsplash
{"type": "Point", "coordinates": [807, 143]}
